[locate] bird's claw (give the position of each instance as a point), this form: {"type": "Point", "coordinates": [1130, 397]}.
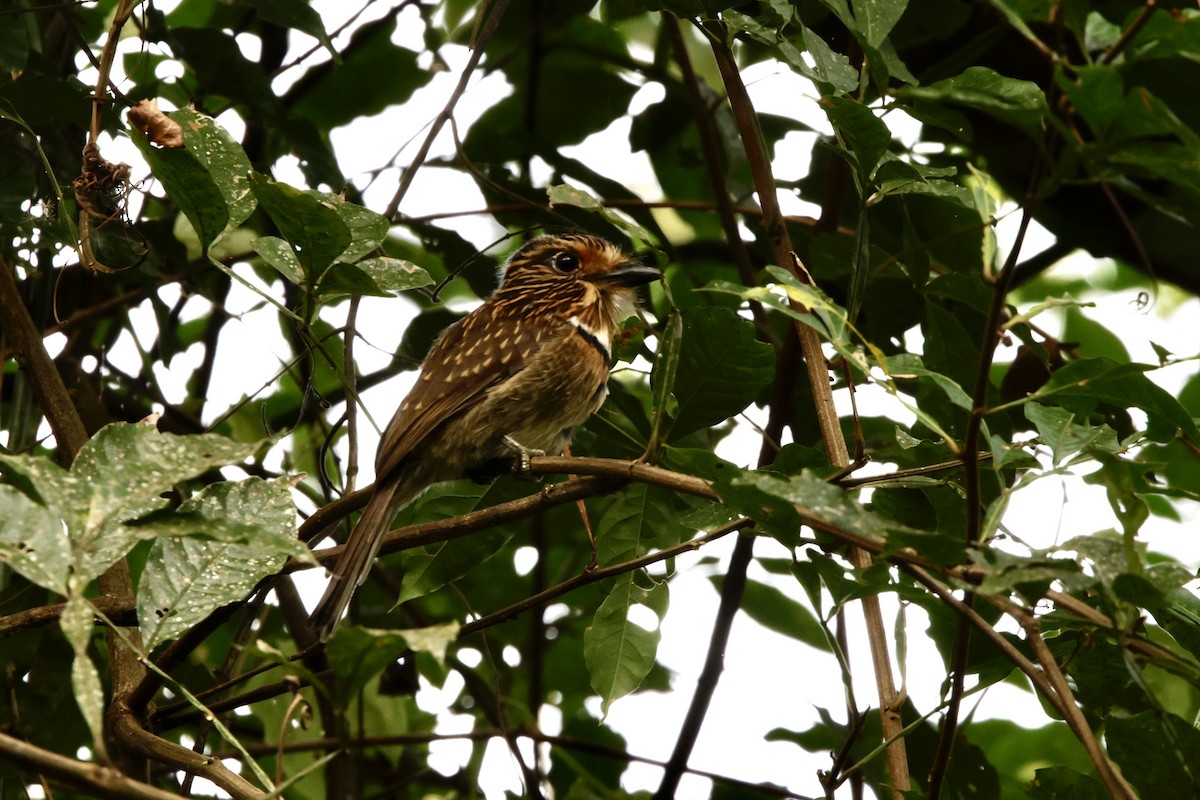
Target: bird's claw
{"type": "Point", "coordinates": [524, 454]}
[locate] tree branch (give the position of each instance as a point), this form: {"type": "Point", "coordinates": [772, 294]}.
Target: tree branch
{"type": "Point", "coordinates": [971, 484]}
{"type": "Point", "coordinates": [1116, 785]}
{"type": "Point", "coordinates": [48, 385]}
{"type": "Point", "coordinates": [141, 741]}
{"type": "Point", "coordinates": [182, 713]}
{"type": "Point", "coordinates": [714, 665]}
{"type": "Point", "coordinates": [116, 585]}
{"type": "Point", "coordinates": [822, 394]}
{"type": "Point", "coordinates": [95, 779]}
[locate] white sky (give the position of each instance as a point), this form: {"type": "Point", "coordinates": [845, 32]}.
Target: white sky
{"type": "Point", "coordinates": [769, 681]}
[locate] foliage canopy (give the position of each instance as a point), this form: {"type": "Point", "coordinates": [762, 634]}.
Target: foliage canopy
{"type": "Point", "coordinates": [139, 551]}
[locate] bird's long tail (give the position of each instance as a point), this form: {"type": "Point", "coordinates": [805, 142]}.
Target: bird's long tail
{"type": "Point", "coordinates": [355, 562]}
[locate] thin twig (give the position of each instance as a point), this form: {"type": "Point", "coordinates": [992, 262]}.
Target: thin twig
{"type": "Point", "coordinates": [1116, 785]}
{"type": "Point", "coordinates": [1130, 32]}
{"type": "Point", "coordinates": [602, 573]}
{"type": "Point", "coordinates": [148, 745]}
{"type": "Point", "coordinates": [494, 11]}
{"type": "Point", "coordinates": [124, 10]}
{"type": "Point", "coordinates": [710, 144]}
{"type": "Point", "coordinates": [714, 665]}
{"type": "Point", "coordinates": [566, 742]}
{"type": "Point", "coordinates": [352, 406]}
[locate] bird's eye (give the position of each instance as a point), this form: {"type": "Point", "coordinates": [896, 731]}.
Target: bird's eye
{"type": "Point", "coordinates": [566, 262]}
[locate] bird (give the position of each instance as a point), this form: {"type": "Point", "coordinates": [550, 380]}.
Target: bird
{"type": "Point", "coordinates": [512, 379]}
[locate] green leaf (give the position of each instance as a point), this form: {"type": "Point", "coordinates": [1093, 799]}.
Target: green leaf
{"type": "Point", "coordinates": [829, 67]}
{"type": "Point", "coordinates": [722, 368]}
{"type": "Point", "coordinates": [1098, 94]}
{"type": "Point", "coordinates": [867, 137]}
{"type": "Point", "coordinates": [298, 16]}
{"type": "Point", "coordinates": [1015, 102]}
{"type": "Point", "coordinates": [814, 307]}
{"type": "Point", "coordinates": [189, 184]}
{"type": "Point", "coordinates": [1181, 618]}
{"type": "Point", "coordinates": [32, 540]}
{"type": "Point", "coordinates": [367, 228]}
{"type": "Point", "coordinates": [777, 503]}
{"type": "Point", "coordinates": [429, 568]}
{"type": "Point", "coordinates": [842, 9]}
{"type": "Point", "coordinates": [662, 376]}
{"type": "Point", "coordinates": [14, 48]}
{"type": "Point", "coordinates": [737, 21]}
{"type": "Point", "coordinates": [379, 276]}
{"type": "Point", "coordinates": [775, 611]}
{"type": "Point", "coordinates": [1157, 753]}
{"type": "Point", "coordinates": [565, 195]}
{"type": "Point", "coordinates": [315, 229]}
{"type": "Point", "coordinates": [1061, 783]}
{"type": "Point", "coordinates": [895, 177]}
{"type": "Point", "coordinates": [1126, 486]}
{"type": "Point", "coordinates": [814, 301]}
{"type": "Point", "coordinates": [640, 520]}
{"type": "Point", "coordinates": [909, 366]}
{"type": "Point", "coordinates": [77, 625]}
{"type": "Point", "coordinates": [38, 99]}
{"type": "Point", "coordinates": [347, 279]}
{"type": "Point", "coordinates": [619, 653]}
{"type": "Point", "coordinates": [532, 119]}
{"type": "Point", "coordinates": [395, 274]}
{"type": "Point", "coordinates": [290, 667]}
{"type": "Point", "coordinates": [280, 255]}
{"type": "Point", "coordinates": [226, 539]}
{"type": "Point", "coordinates": [1084, 384]}
{"type": "Point", "coordinates": [885, 64]}
{"type": "Point", "coordinates": [223, 158]}
{"type": "Point", "coordinates": [125, 469]}
{"type": "Point", "coordinates": [876, 18]}
{"type": "Point", "coordinates": [118, 478]}
{"type": "Point", "coordinates": [357, 654]}
{"type": "Point", "coordinates": [1031, 574]}
{"type": "Point", "coordinates": [353, 89]}
{"type": "Point", "coordinates": [1065, 434]}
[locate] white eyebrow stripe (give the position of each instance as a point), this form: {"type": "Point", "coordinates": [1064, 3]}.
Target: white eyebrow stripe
{"type": "Point", "coordinates": [593, 338]}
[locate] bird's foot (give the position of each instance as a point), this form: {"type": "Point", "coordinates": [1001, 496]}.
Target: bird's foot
{"type": "Point", "coordinates": [524, 454]}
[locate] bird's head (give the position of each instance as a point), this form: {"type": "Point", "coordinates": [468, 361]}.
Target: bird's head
{"type": "Point", "coordinates": [574, 274]}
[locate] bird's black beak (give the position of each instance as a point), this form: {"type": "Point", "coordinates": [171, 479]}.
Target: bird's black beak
{"type": "Point", "coordinates": [631, 274]}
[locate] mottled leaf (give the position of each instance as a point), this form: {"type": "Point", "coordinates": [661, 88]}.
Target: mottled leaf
{"type": "Point", "coordinates": [213, 551]}
{"type": "Point", "coordinates": [223, 158]}
{"type": "Point", "coordinates": [315, 230]}
{"type": "Point", "coordinates": [189, 184]}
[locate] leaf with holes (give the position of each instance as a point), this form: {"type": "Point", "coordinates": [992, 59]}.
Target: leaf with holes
{"type": "Point", "coordinates": [218, 546]}
{"type": "Point", "coordinates": [619, 652]}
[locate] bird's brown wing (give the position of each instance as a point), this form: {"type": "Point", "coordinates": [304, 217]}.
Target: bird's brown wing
{"type": "Point", "coordinates": [472, 356]}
